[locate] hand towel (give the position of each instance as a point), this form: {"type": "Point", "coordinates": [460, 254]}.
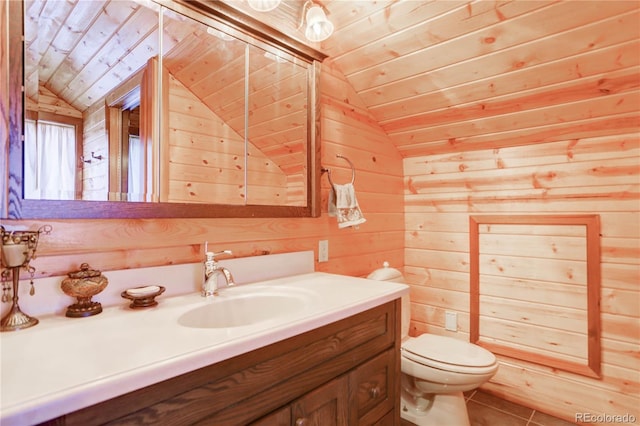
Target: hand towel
{"type": "Point", "coordinates": [344, 205]}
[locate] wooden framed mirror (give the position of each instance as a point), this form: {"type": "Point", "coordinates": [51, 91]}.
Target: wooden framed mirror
{"type": "Point", "coordinates": [271, 160]}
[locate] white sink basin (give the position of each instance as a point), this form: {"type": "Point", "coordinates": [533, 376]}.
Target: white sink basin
{"type": "Point", "coordinates": [241, 308]}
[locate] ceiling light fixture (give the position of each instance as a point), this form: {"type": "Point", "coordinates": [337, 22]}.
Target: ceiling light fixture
{"type": "Point", "coordinates": [318, 28]}
{"type": "Point", "coordinates": [263, 5]}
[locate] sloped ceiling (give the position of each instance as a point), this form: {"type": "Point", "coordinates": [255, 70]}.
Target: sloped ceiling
{"type": "Point", "coordinates": [447, 76]}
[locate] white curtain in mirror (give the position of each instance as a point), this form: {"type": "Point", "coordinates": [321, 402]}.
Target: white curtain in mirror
{"type": "Point", "coordinates": [136, 169]}
{"type": "Point", "coordinates": [140, 177]}
{"type": "Point", "coordinates": [49, 155]}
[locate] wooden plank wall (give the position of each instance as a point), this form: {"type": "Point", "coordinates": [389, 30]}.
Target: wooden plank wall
{"type": "Point", "coordinates": [95, 175]}
{"type": "Point", "coordinates": [296, 190]}
{"type": "Point", "coordinates": [207, 157]}
{"type": "Point", "coordinates": [598, 174]}
{"type": "Point", "coordinates": [533, 293]}
{"type": "Point", "coordinates": [196, 171]}
{"type": "Point", "coordinates": [47, 101]}
{"type": "Point", "coordinates": [347, 129]}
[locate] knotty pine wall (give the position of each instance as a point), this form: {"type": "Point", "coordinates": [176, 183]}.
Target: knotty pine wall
{"type": "Point", "coordinates": [206, 157]}
{"type": "Point", "coordinates": [49, 102]}
{"type": "Point", "coordinates": [596, 174]}
{"type": "Point", "coordinates": [196, 171]}
{"type": "Point", "coordinates": [95, 175]}
{"type": "Point", "coordinates": [347, 129]}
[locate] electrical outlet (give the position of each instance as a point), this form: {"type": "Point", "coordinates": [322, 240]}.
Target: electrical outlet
{"type": "Point", "coordinates": [451, 321]}
{"type": "Point", "coordinates": [323, 251]}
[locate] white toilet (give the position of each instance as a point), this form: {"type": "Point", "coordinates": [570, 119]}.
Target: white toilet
{"type": "Point", "coordinates": [436, 370]}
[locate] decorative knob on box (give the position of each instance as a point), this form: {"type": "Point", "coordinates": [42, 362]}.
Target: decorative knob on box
{"type": "Point", "coordinates": [83, 285]}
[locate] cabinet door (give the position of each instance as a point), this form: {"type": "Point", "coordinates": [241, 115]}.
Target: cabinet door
{"type": "Point", "coordinates": [372, 389]}
{"type": "Point", "coordinates": [325, 406]}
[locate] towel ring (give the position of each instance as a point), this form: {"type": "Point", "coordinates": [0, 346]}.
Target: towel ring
{"type": "Point", "coordinates": [353, 170]}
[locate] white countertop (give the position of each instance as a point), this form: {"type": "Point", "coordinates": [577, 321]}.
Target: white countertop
{"type": "Point", "coordinates": [65, 364]}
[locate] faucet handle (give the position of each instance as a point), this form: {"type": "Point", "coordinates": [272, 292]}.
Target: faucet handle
{"type": "Point", "coordinates": [212, 255]}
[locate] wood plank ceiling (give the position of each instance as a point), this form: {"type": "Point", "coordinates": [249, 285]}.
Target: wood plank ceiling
{"type": "Point", "coordinates": [448, 76]}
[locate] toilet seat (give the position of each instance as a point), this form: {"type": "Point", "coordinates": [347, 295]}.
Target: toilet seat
{"type": "Point", "coordinates": [449, 354]}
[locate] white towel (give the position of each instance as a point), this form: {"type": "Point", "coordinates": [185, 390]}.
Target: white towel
{"type": "Point", "coordinates": [344, 206]}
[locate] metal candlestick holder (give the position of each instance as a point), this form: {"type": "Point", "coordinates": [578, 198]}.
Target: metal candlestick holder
{"type": "Point", "coordinates": [18, 248]}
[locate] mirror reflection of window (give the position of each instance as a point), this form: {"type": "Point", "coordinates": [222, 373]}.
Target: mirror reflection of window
{"type": "Point", "coordinates": [136, 175]}
{"type": "Point", "coordinates": [79, 57]}
{"type": "Point", "coordinates": [138, 156]}
{"type": "Point", "coordinates": [50, 160]}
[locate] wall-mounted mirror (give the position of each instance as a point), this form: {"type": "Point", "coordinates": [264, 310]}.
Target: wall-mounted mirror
{"type": "Point", "coordinates": [159, 109]}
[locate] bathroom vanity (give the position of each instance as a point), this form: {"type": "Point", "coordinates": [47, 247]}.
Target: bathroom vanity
{"type": "Point", "coordinates": [333, 358]}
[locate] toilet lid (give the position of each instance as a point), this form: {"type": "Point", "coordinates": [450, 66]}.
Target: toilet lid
{"type": "Point", "coordinates": [447, 351]}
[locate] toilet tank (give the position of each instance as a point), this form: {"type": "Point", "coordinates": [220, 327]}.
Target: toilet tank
{"type": "Point", "coordinates": [387, 273]}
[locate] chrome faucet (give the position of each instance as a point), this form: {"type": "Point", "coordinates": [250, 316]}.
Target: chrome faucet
{"type": "Point", "coordinates": [211, 273]}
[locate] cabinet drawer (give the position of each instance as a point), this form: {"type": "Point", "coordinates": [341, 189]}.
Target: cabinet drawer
{"type": "Point", "coordinates": [372, 388]}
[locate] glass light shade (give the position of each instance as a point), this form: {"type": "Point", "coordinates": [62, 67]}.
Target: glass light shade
{"type": "Point", "coordinates": [263, 5]}
{"type": "Point", "coordinates": [319, 28]}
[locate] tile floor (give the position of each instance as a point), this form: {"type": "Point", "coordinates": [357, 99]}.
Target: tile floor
{"type": "Point", "coordinates": [488, 410]}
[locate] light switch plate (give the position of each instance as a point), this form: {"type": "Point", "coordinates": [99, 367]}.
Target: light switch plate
{"type": "Point", "coordinates": [323, 251]}
{"type": "Point", "coordinates": [451, 321]}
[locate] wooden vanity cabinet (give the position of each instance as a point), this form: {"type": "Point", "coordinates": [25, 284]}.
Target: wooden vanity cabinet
{"type": "Point", "coordinates": [363, 396]}
{"type": "Point", "coordinates": [344, 373]}
{"type": "Point", "coordinates": [327, 405]}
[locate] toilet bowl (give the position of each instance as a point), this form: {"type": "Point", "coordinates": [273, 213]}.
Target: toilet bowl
{"type": "Point", "coordinates": [436, 370]}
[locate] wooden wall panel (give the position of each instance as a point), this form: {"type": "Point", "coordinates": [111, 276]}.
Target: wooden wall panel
{"type": "Point", "coordinates": [133, 243]}
{"type": "Point", "coordinates": [559, 333]}
{"type": "Point", "coordinates": [207, 157]}
{"type": "Point", "coordinates": [95, 175]}
{"type": "Point", "coordinates": [590, 175]}
{"type": "Point", "coordinates": [47, 101]}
